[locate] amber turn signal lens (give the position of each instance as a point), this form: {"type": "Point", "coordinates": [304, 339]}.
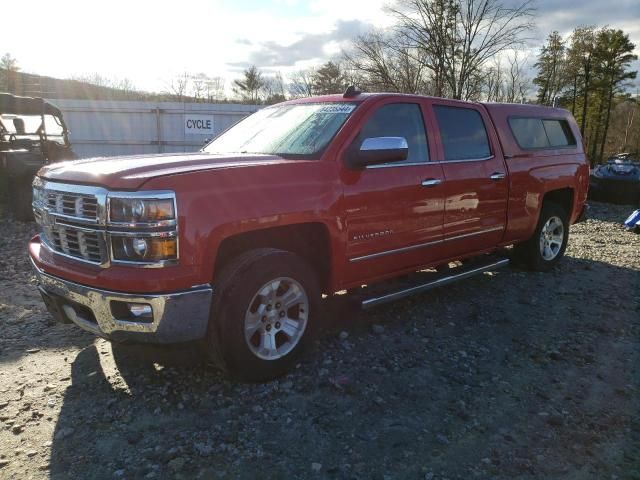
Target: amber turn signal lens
{"type": "Point", "coordinates": [160, 210]}
{"type": "Point", "coordinates": [162, 248]}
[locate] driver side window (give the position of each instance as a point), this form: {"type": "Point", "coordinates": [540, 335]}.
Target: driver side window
{"type": "Point", "coordinates": [399, 120]}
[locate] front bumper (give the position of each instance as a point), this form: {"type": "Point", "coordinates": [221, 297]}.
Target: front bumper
{"type": "Point", "coordinates": [175, 317]}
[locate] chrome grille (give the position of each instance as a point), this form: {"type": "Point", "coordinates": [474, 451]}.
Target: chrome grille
{"type": "Point", "coordinates": [76, 242]}
{"type": "Point", "coordinates": [71, 204]}
{"type": "Point", "coordinates": [71, 217]}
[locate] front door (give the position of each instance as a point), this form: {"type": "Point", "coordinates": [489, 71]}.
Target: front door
{"type": "Point", "coordinates": [393, 212]}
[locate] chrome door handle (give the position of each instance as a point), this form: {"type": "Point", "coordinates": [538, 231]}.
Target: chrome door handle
{"type": "Point", "coordinates": [497, 176]}
{"type": "Point", "coordinates": [431, 182]}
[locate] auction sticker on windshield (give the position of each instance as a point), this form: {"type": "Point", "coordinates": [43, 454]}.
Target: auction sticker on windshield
{"type": "Point", "coordinates": [337, 108]}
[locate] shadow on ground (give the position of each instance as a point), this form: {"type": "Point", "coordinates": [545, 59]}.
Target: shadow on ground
{"type": "Point", "coordinates": [511, 375]}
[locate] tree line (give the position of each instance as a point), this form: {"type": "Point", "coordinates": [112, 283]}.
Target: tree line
{"type": "Point", "coordinates": [589, 73]}
{"type": "Point", "coordinates": [460, 49]}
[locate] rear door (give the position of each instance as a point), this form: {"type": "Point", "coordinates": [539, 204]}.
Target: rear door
{"type": "Point", "coordinates": [391, 217]}
{"type": "Point", "coordinates": [476, 184]}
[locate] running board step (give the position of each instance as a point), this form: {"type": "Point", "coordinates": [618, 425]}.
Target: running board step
{"type": "Point", "coordinates": [456, 274]}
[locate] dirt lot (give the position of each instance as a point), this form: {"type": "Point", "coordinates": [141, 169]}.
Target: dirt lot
{"type": "Point", "coordinates": [508, 375]}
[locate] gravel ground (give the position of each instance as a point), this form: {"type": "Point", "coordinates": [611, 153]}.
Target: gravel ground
{"type": "Point", "coordinates": [508, 375]}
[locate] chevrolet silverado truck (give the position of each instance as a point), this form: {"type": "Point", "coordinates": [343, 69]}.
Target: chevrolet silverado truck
{"type": "Point", "coordinates": [236, 244]}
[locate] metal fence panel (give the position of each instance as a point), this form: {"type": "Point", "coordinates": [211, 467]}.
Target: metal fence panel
{"type": "Point", "coordinates": [107, 128]}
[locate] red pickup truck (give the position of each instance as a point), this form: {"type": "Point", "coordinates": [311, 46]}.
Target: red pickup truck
{"type": "Point", "coordinates": [236, 244]}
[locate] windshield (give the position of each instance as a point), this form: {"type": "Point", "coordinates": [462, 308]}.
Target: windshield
{"type": "Point", "coordinates": [286, 130]}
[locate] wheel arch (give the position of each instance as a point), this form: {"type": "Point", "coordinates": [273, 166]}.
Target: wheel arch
{"type": "Point", "coordinates": [563, 197]}
{"type": "Point", "coordinates": [310, 240]}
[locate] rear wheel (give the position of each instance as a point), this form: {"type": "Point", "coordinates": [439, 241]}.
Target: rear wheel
{"type": "Point", "coordinates": [547, 245]}
{"type": "Point", "coordinates": [263, 313]}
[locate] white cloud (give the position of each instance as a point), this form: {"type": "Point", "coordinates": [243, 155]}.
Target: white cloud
{"type": "Point", "coordinates": [150, 41]}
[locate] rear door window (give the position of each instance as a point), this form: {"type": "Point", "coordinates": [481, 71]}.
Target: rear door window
{"type": "Point", "coordinates": [463, 133]}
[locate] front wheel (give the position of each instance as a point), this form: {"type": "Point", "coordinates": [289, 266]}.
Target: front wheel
{"type": "Point", "coordinates": [547, 245]}
{"type": "Point", "coordinates": [263, 313]}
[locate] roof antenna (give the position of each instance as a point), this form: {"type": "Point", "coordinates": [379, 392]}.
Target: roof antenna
{"type": "Point", "coordinates": [351, 92]}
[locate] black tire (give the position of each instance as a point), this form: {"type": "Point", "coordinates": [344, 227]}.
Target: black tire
{"type": "Point", "coordinates": [19, 199]}
{"type": "Point", "coordinates": [529, 254]}
{"type": "Point", "coordinates": [234, 292]}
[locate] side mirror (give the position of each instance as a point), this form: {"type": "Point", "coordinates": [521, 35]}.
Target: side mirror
{"type": "Point", "coordinates": [377, 150]}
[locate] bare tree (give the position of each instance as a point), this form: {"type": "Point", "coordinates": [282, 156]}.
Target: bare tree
{"type": "Point", "coordinates": [179, 85]}
{"type": "Point", "coordinates": [301, 83]}
{"type": "Point", "coordinates": [518, 84]}
{"type": "Point", "coordinates": [215, 88]}
{"type": "Point", "coordinates": [9, 63]}
{"type": "Point", "coordinates": [123, 84]}
{"type": "Point", "coordinates": [507, 84]}
{"type": "Point", "coordinates": [494, 82]}
{"type": "Point", "coordinates": [93, 79]}
{"type": "Point", "coordinates": [459, 37]}
{"type": "Point", "coordinates": [385, 64]}
{"type": "Point", "coordinates": [8, 73]}
{"type": "Point", "coordinates": [199, 86]}
{"type": "Point", "coordinates": [273, 89]}
{"type": "Point", "coordinates": [631, 114]}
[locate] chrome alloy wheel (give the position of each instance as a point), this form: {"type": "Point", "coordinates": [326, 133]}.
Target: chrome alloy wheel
{"type": "Point", "coordinates": [276, 318]}
{"type": "Point", "coordinates": [551, 238]}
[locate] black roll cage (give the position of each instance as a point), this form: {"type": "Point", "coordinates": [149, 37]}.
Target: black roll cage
{"type": "Point", "coordinates": [16, 105]}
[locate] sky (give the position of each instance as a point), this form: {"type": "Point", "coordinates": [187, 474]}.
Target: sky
{"type": "Point", "coordinates": [150, 42]}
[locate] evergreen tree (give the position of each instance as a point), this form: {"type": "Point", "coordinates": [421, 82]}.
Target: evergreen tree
{"type": "Point", "coordinates": [328, 79]}
{"type": "Point", "coordinates": [250, 87]}
{"type": "Point", "coordinates": [614, 53]}
{"type": "Point", "coordinates": [580, 57]}
{"type": "Point", "coordinates": [551, 78]}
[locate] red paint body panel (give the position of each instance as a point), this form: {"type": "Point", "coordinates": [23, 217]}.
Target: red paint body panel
{"type": "Point", "coordinates": [366, 213]}
{"type": "Point", "coordinates": [474, 203]}
{"type": "Point", "coordinates": [532, 173]}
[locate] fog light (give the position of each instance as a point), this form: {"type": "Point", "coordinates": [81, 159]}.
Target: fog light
{"type": "Point", "coordinates": [144, 249]}
{"type": "Point", "coordinates": [140, 310]}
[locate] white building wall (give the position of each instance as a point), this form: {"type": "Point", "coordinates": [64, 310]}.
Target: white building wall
{"type": "Point", "coordinates": [107, 128]}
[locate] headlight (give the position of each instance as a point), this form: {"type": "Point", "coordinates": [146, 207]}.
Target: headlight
{"type": "Point", "coordinates": [143, 227]}
{"type": "Point", "coordinates": [140, 210]}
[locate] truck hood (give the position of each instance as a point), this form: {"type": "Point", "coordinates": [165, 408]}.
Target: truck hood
{"type": "Point", "coordinates": [130, 172]}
